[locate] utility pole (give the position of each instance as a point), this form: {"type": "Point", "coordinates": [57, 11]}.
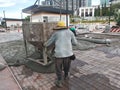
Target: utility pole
{"type": "Point", "coordinates": [67, 13]}
{"type": "Point", "coordinates": [109, 13]}
{"type": "Point", "coordinates": [5, 20]}
{"type": "Point", "coordinates": [60, 8]}
{"type": "Point", "coordinates": [72, 8]}
{"type": "Point", "coordinates": [21, 15]}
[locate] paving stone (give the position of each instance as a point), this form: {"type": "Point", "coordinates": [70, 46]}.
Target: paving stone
{"type": "Point", "coordinates": [91, 71]}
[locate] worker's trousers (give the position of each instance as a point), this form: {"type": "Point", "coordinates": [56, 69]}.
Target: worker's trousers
{"type": "Point", "coordinates": [62, 64]}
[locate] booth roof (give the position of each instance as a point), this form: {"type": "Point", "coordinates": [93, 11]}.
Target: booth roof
{"type": "Point", "coordinates": [38, 8]}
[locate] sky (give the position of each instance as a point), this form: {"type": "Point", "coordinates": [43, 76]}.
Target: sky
{"type": "Point", "coordinates": [13, 8]}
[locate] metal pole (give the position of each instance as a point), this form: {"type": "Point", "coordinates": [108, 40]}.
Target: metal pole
{"type": "Point", "coordinates": [110, 11]}
{"type": "Point", "coordinates": [60, 8]}
{"type": "Point", "coordinates": [36, 2]}
{"type": "Point", "coordinates": [5, 20]}
{"type": "Point", "coordinates": [76, 5]}
{"type": "Point", "coordinates": [67, 13]}
{"type": "Point", "coordinates": [21, 16]}
{"type": "Point", "coordinates": [72, 8]}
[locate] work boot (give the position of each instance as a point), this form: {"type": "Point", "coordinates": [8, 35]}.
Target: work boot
{"type": "Point", "coordinates": [66, 76]}
{"type": "Point", "coordinates": [58, 83]}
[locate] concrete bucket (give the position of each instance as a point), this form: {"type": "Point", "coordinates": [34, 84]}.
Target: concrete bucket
{"type": "Point", "coordinates": [36, 34]}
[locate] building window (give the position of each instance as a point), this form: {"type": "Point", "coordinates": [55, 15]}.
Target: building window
{"type": "Point", "coordinates": [45, 19]}
{"type": "Point", "coordinates": [90, 14]}
{"type": "Point", "coordinates": [91, 10]}
{"type": "Point", "coordinates": [86, 13]}
{"type": "Point", "coordinates": [82, 14]}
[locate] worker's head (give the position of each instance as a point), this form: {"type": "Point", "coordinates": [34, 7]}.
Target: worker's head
{"type": "Point", "coordinates": [60, 25]}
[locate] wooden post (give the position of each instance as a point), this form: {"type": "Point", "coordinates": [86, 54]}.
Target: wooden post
{"type": "Point", "coordinates": [44, 48]}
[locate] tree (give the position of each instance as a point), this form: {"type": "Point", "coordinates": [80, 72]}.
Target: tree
{"type": "Point", "coordinates": [117, 17]}
{"type": "Point", "coordinates": [97, 11]}
{"type": "Point", "coordinates": [3, 24]}
{"type": "Point", "coordinates": [27, 18]}
{"type": "Point", "coordinates": [117, 5]}
{"type": "Point", "coordinates": [116, 12]}
{"type": "Point", "coordinates": [104, 10]}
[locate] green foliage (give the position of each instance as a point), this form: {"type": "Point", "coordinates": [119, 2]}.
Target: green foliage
{"type": "Point", "coordinates": [94, 21]}
{"type": "Point", "coordinates": [114, 6]}
{"type": "Point", "coordinates": [3, 24]}
{"type": "Point", "coordinates": [97, 11]}
{"type": "Point", "coordinates": [27, 18]}
{"type": "Point", "coordinates": [106, 11]}
{"type": "Point", "coordinates": [117, 17]}
{"type": "Point", "coordinates": [74, 19]}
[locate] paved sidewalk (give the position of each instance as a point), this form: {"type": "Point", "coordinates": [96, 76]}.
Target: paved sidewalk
{"type": "Point", "coordinates": [7, 82]}
{"type": "Point", "coordinates": [93, 70]}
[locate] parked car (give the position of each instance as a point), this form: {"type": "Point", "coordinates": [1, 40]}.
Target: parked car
{"type": "Point", "coordinates": [2, 30]}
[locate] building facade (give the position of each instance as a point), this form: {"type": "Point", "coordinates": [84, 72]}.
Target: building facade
{"type": "Point", "coordinates": [103, 2]}
{"type": "Point", "coordinates": [89, 3]}
{"type": "Point", "coordinates": [47, 17]}
{"type": "Point", "coordinates": [47, 14]}
{"type": "Point", "coordinates": [86, 3]}
{"type": "Point", "coordinates": [72, 4]}
{"type": "Point", "coordinates": [86, 11]}
{"type": "Point", "coordinates": [13, 24]}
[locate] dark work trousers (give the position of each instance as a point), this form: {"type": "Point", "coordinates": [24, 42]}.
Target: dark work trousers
{"type": "Point", "coordinates": [62, 64]}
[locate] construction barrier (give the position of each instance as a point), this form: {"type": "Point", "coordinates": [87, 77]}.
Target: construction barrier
{"type": "Point", "coordinates": [115, 30]}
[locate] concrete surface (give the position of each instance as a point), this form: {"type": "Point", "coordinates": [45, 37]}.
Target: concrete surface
{"type": "Point", "coordinates": [7, 82]}
{"type": "Point", "coordinates": [96, 68]}
{"type": "Point", "coordinates": [92, 70]}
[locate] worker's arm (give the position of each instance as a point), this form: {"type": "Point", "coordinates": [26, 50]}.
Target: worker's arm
{"type": "Point", "coordinates": [74, 40]}
{"type": "Point", "coordinates": [50, 41]}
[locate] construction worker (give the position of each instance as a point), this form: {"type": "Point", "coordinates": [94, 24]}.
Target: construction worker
{"type": "Point", "coordinates": [63, 39]}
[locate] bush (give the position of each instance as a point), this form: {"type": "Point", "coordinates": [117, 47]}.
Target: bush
{"type": "Point", "coordinates": [117, 18]}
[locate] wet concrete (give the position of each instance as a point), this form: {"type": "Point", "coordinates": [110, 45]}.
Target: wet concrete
{"type": "Point", "coordinates": [84, 45]}
{"type": "Point", "coordinates": [96, 68]}
{"type": "Point", "coordinates": [111, 50]}
{"type": "Point", "coordinates": [14, 51]}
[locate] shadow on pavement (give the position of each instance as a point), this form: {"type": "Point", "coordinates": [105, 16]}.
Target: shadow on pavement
{"type": "Point", "coordinates": [93, 81]}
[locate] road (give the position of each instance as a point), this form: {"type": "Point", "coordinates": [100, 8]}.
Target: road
{"type": "Point", "coordinates": [10, 36]}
